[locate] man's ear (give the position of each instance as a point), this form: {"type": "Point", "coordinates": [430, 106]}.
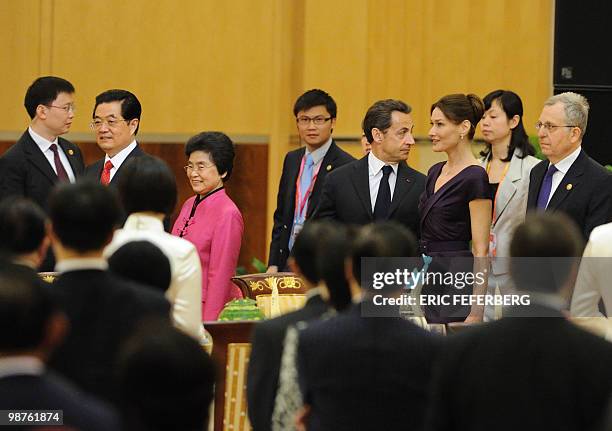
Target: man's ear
{"type": "Point", "coordinates": [41, 112]}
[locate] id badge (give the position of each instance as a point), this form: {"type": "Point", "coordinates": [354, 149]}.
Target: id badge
{"type": "Point", "coordinates": [492, 244]}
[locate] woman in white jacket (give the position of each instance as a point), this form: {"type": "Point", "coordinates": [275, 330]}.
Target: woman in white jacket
{"type": "Point", "coordinates": [508, 159]}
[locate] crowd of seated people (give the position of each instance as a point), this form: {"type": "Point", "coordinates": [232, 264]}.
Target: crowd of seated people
{"type": "Point", "coordinates": [134, 287]}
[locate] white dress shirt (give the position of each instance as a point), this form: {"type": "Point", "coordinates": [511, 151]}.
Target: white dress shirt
{"type": "Point", "coordinates": [45, 147]}
{"type": "Point", "coordinates": [562, 168]}
{"type": "Point", "coordinates": [185, 291]}
{"type": "Point", "coordinates": [22, 365]}
{"type": "Point", "coordinates": [118, 159]}
{"type": "Point", "coordinates": [375, 166]}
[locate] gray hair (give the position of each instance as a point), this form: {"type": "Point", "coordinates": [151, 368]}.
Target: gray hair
{"type": "Point", "coordinates": [576, 108]}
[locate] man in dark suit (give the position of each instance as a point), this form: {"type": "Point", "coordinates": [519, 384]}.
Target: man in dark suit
{"type": "Point", "coordinates": [40, 158]}
{"type": "Point", "coordinates": [532, 369]}
{"type": "Point", "coordinates": [569, 181]}
{"type": "Point", "coordinates": [31, 327]}
{"type": "Point", "coordinates": [101, 307]}
{"type": "Point", "coordinates": [269, 336]}
{"type": "Point", "coordinates": [380, 186]}
{"type": "Point", "coordinates": [304, 172]}
{"type": "Point", "coordinates": [366, 373]}
{"type": "Point", "coordinates": [116, 119]}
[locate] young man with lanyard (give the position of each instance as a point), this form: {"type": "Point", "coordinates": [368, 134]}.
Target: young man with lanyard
{"type": "Point", "coordinates": [304, 172]}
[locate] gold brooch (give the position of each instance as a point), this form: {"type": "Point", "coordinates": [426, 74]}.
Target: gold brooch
{"type": "Point", "coordinates": [328, 168]}
{"type": "Point", "coordinates": [568, 187]}
{"type": "Point", "coordinates": [71, 152]}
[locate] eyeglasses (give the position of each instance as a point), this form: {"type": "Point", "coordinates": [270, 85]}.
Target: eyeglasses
{"type": "Point", "coordinates": [67, 109]}
{"type": "Point", "coordinates": [198, 168]}
{"type": "Point", "coordinates": [548, 127]}
{"type": "Point", "coordinates": [111, 122]}
{"type": "Point", "coordinates": [319, 121]}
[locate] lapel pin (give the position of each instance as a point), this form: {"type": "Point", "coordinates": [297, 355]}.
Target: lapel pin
{"type": "Point", "coordinates": [568, 187]}
{"type": "Point", "coordinates": [328, 168]}
{"type": "Point", "coordinates": [71, 152]}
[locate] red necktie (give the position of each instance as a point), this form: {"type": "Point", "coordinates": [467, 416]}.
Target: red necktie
{"type": "Point", "coordinates": [105, 177]}
{"type": "Point", "coordinates": [62, 175]}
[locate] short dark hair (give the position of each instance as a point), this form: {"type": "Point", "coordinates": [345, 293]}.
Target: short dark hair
{"type": "Point", "coordinates": [307, 248]}
{"type": "Point", "coordinates": [22, 225]}
{"type": "Point", "coordinates": [165, 378]}
{"type": "Point", "coordinates": [386, 239]}
{"type": "Point", "coordinates": [25, 308]}
{"type": "Point", "coordinates": [130, 106]}
{"type": "Point", "coordinates": [147, 184]}
{"type": "Point", "coordinates": [83, 214]}
{"type": "Point", "coordinates": [142, 262]}
{"type": "Point", "coordinates": [552, 238]}
{"type": "Point", "coordinates": [218, 146]}
{"type": "Point", "coordinates": [379, 116]}
{"type": "Point", "coordinates": [44, 91]}
{"type": "Point", "coordinates": [315, 97]}
{"type": "Point", "coordinates": [460, 107]}
{"type": "Point", "coordinates": [512, 105]}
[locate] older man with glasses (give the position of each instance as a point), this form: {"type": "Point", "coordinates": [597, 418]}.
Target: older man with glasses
{"type": "Point", "coordinates": [116, 119]}
{"type": "Point", "coordinates": [569, 180]}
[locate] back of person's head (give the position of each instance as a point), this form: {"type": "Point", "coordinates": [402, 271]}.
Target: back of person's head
{"type": "Point", "coordinates": [315, 97]}
{"type": "Point", "coordinates": [382, 240]}
{"type": "Point", "coordinates": [26, 309]}
{"type": "Point", "coordinates": [165, 380]}
{"type": "Point", "coordinates": [22, 226]}
{"type": "Point", "coordinates": [544, 252]}
{"type": "Point", "coordinates": [130, 105]}
{"type": "Point", "coordinates": [147, 185]}
{"type": "Point", "coordinates": [461, 107]}
{"type": "Point", "coordinates": [43, 91]}
{"type": "Point", "coordinates": [143, 262]}
{"type": "Point", "coordinates": [512, 105]}
{"type": "Point", "coordinates": [379, 116]}
{"type": "Point", "coordinates": [306, 248]}
{"type": "Point", "coordinates": [83, 214]}
{"type": "Point", "coordinates": [333, 251]}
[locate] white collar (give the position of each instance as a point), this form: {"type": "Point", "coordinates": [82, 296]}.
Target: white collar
{"type": "Point", "coordinates": [77, 264]}
{"type": "Point", "coordinates": [42, 143]}
{"type": "Point", "coordinates": [141, 221]}
{"type": "Point", "coordinates": [319, 153]}
{"type": "Point", "coordinates": [568, 161]}
{"type": "Point", "coordinates": [375, 164]}
{"type": "Point", "coordinates": [120, 157]}
{"type": "Point", "coordinates": [21, 365]}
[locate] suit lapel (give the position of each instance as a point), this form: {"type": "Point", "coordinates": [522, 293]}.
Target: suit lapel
{"type": "Point", "coordinates": [70, 155]}
{"type": "Point", "coordinates": [535, 182]}
{"type": "Point", "coordinates": [403, 183]}
{"type": "Point", "coordinates": [327, 165]}
{"type": "Point", "coordinates": [507, 188]}
{"type": "Point", "coordinates": [360, 178]}
{"type": "Point", "coordinates": [292, 178]}
{"type": "Point", "coordinates": [569, 182]}
{"type": "Point", "coordinates": [134, 153]}
{"type": "Point", "coordinates": [37, 158]}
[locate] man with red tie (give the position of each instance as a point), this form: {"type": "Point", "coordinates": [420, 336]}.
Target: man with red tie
{"type": "Point", "coordinates": [116, 119]}
{"type": "Point", "coordinates": [41, 158]}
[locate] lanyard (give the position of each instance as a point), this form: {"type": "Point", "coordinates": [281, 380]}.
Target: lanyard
{"type": "Point", "coordinates": [498, 187]}
{"type": "Point", "coordinates": [300, 202]}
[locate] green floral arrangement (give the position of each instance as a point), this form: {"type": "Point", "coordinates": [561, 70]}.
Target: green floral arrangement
{"type": "Point", "coordinates": [241, 309]}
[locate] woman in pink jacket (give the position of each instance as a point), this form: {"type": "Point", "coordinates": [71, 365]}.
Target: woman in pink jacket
{"type": "Point", "coordinates": [211, 220]}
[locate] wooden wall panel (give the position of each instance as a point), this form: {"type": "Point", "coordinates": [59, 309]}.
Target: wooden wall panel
{"type": "Point", "coordinates": [246, 187]}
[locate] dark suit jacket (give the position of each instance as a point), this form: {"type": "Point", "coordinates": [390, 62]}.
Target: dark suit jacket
{"type": "Point", "coordinates": [285, 204]}
{"type": "Point", "coordinates": [50, 392]}
{"type": "Point", "coordinates": [585, 193]}
{"type": "Point", "coordinates": [25, 171]}
{"type": "Point", "coordinates": [346, 196]}
{"type": "Point", "coordinates": [94, 171]}
{"type": "Point", "coordinates": [103, 310]}
{"type": "Point", "coordinates": [365, 373]}
{"type": "Point", "coordinates": [527, 373]}
{"type": "Point", "coordinates": [264, 364]}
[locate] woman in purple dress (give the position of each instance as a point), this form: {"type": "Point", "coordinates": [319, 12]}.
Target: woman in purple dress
{"type": "Point", "coordinates": [455, 210]}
